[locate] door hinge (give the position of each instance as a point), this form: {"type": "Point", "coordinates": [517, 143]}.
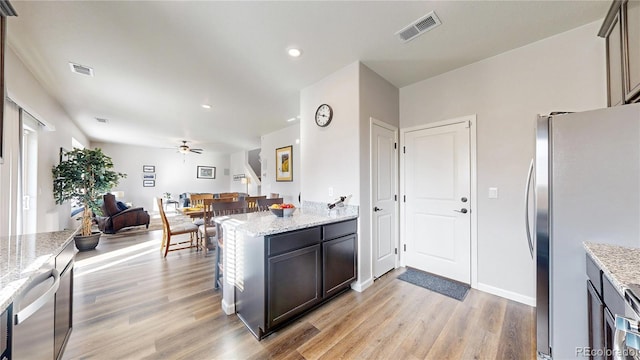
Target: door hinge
{"type": "Point", "coordinates": [396, 251]}
{"type": "Point", "coordinates": [405, 247]}
{"type": "Point", "coordinates": [395, 145]}
{"type": "Point", "coordinates": [404, 149]}
{"type": "Point", "coordinates": [404, 198]}
{"type": "Point", "coordinates": [395, 197]}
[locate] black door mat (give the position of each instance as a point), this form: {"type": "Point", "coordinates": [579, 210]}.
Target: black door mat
{"type": "Point", "coordinates": [435, 283]}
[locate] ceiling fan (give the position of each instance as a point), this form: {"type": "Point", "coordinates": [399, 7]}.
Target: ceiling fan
{"type": "Point", "coordinates": [185, 149]}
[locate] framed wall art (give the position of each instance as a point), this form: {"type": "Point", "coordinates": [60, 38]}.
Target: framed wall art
{"type": "Point", "coordinates": [206, 172]}
{"type": "Point", "coordinates": [149, 176]}
{"type": "Point", "coordinates": [148, 168]}
{"type": "Point", "coordinates": [148, 183]}
{"type": "Point", "coordinates": [284, 163]}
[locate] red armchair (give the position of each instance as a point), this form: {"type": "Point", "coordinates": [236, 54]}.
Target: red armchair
{"type": "Point", "coordinates": [115, 219]}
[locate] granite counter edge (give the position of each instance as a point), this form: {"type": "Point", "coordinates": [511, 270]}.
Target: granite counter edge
{"type": "Point", "coordinates": [620, 285]}
{"type": "Point", "coordinates": [297, 227]}
{"type": "Point", "coordinates": [9, 292]}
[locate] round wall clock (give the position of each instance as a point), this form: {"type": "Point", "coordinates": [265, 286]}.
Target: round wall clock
{"type": "Point", "coordinates": [324, 115]}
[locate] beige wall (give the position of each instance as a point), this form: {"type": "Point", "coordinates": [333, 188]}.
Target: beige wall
{"type": "Point", "coordinates": [563, 73]}
{"type": "Point", "coordinates": [379, 99]}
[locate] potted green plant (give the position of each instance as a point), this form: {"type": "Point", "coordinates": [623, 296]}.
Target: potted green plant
{"type": "Point", "coordinates": [84, 176]}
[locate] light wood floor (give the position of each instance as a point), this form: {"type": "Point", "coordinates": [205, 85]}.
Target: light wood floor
{"type": "Point", "coordinates": [138, 305]}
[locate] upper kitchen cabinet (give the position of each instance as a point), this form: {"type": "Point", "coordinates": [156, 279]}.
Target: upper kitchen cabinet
{"type": "Point", "coordinates": [621, 28]}
{"type": "Point", "coordinates": [631, 25]}
{"type": "Point", "coordinates": [611, 30]}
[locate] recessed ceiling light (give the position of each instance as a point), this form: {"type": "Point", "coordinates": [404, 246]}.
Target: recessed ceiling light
{"type": "Point", "coordinates": [206, 106]}
{"type": "Point", "coordinates": [294, 52]}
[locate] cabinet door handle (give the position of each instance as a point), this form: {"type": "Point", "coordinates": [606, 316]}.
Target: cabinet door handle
{"type": "Point", "coordinates": [377, 209]}
{"type": "Point", "coordinates": [23, 314]}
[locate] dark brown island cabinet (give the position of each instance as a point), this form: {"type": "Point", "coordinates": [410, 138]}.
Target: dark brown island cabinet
{"type": "Point", "coordinates": [43, 333]}
{"type": "Point", "coordinates": [293, 272]}
{"type": "Point", "coordinates": [621, 29]}
{"type": "Point", "coordinates": [603, 303]}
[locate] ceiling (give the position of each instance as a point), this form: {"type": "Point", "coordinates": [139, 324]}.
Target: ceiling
{"type": "Point", "coordinates": [156, 62]}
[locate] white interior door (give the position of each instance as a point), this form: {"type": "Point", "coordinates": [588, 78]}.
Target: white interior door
{"type": "Point", "coordinates": [384, 165]}
{"type": "Point", "coordinates": [437, 188]}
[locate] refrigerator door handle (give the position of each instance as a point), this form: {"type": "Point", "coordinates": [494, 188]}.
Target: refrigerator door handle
{"type": "Point", "coordinates": [527, 190]}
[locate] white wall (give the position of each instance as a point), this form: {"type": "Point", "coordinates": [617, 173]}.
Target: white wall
{"type": "Point", "coordinates": [27, 92]}
{"type": "Point", "coordinates": [331, 155]}
{"type": "Point", "coordinates": [239, 165]}
{"type": "Point", "coordinates": [338, 156]}
{"type": "Point", "coordinates": [563, 73]}
{"type": "Point", "coordinates": [289, 190]}
{"type": "Point", "coordinates": [175, 173]}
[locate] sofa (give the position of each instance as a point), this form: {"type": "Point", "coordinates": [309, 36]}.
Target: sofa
{"type": "Point", "coordinates": [114, 217]}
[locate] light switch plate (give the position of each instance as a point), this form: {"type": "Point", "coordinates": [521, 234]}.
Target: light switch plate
{"type": "Point", "coordinates": [493, 193]}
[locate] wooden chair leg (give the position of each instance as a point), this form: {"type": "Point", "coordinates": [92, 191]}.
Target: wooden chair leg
{"type": "Point", "coordinates": [164, 242]}
{"type": "Point", "coordinates": [166, 248]}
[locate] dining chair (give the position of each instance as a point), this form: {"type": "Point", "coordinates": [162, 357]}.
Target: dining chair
{"type": "Point", "coordinates": [212, 229]}
{"type": "Point", "coordinates": [263, 204]}
{"type": "Point", "coordinates": [212, 208]}
{"type": "Point", "coordinates": [230, 195]}
{"type": "Point", "coordinates": [169, 230]}
{"type": "Point", "coordinates": [252, 202]}
{"type": "Point", "coordinates": [196, 199]}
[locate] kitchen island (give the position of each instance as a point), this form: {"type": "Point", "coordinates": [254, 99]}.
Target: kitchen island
{"type": "Point", "coordinates": [22, 256]}
{"type": "Point", "coordinates": [613, 274]}
{"type": "Point", "coordinates": [36, 291]}
{"type": "Point", "coordinates": [277, 269]}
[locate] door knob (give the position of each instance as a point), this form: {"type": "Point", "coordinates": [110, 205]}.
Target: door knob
{"type": "Point", "coordinates": [376, 209]}
{"type": "Point", "coordinates": [463, 210]}
{"type": "Point", "coordinates": [464, 199]}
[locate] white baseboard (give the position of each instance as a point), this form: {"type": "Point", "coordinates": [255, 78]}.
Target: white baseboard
{"type": "Point", "coordinates": [527, 300]}
{"type": "Point", "coordinates": [228, 309]}
{"type": "Point", "coordinates": [361, 286]}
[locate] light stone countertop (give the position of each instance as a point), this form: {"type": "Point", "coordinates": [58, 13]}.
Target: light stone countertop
{"type": "Point", "coordinates": [265, 223]}
{"type": "Point", "coordinates": [619, 264]}
{"type": "Point", "coordinates": [21, 257]}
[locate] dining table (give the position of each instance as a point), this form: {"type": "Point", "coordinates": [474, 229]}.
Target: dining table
{"type": "Point", "coordinates": [192, 212]}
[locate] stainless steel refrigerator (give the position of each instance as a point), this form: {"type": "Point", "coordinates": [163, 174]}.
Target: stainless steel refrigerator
{"type": "Point", "coordinates": [587, 188]}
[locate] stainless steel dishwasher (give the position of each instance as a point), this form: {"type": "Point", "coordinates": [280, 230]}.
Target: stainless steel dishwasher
{"type": "Point", "coordinates": [33, 317]}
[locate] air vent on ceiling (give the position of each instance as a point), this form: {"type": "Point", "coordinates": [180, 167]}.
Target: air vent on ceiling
{"type": "Point", "coordinates": [102, 120]}
{"type": "Point", "coordinates": [419, 27]}
{"type": "Point", "coordinates": [81, 69]}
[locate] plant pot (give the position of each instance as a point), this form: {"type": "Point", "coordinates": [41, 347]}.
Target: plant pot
{"type": "Point", "coordinates": [89, 242]}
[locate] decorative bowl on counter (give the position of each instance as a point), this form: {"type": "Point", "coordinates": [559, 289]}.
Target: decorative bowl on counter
{"type": "Point", "coordinates": [282, 210]}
